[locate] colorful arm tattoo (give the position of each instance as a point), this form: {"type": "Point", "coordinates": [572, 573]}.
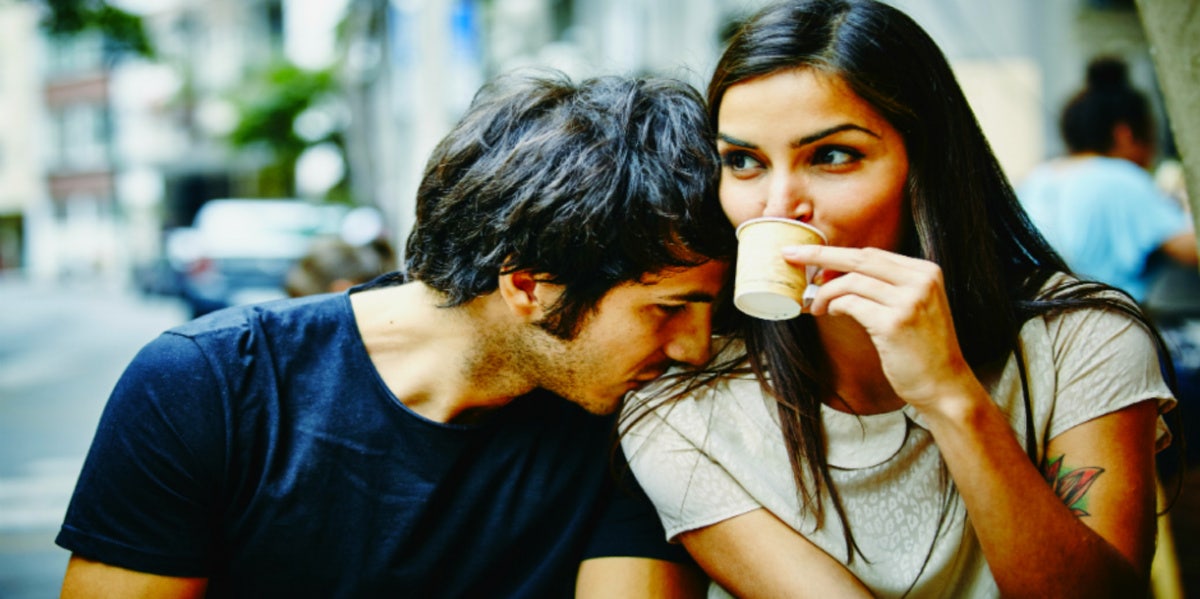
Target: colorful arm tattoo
{"type": "Point", "coordinates": [1071, 485]}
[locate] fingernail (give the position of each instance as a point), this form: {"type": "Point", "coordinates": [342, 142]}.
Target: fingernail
{"type": "Point", "coordinates": [810, 293]}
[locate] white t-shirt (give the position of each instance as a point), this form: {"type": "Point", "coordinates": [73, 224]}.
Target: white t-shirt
{"type": "Point", "coordinates": [719, 453]}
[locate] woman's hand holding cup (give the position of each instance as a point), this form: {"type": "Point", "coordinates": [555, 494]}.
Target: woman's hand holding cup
{"type": "Point", "coordinates": [766, 286]}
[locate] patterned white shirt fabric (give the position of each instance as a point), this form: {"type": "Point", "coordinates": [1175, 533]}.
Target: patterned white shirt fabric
{"type": "Point", "coordinates": [719, 453]}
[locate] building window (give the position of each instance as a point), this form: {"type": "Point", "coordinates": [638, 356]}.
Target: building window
{"type": "Point", "coordinates": [86, 136]}
{"type": "Point", "coordinates": [53, 148]}
{"type": "Point", "coordinates": [275, 19]}
{"type": "Point", "coordinates": [69, 55]}
{"type": "Point", "coordinates": [78, 137]}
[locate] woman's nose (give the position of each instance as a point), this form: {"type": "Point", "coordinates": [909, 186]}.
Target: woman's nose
{"type": "Point", "coordinates": [787, 198]}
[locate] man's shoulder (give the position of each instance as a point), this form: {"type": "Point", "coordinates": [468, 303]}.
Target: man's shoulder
{"type": "Point", "coordinates": [265, 316]}
{"type": "Point", "coordinates": [240, 335]}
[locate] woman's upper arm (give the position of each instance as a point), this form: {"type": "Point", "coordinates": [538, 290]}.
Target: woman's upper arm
{"type": "Point", "coordinates": [86, 578]}
{"type": "Point", "coordinates": [1104, 470]}
{"type": "Point", "coordinates": [756, 554]}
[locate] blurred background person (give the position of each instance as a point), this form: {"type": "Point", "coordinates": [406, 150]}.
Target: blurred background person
{"type": "Point", "coordinates": [1099, 205]}
{"type": "Point", "coordinates": [333, 265]}
{"type": "Point", "coordinates": [1102, 209]}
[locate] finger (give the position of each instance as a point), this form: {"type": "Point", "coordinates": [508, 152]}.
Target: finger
{"type": "Point", "coordinates": [874, 262]}
{"type": "Point", "coordinates": [863, 286]}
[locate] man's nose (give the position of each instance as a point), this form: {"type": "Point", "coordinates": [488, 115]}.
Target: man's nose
{"type": "Point", "coordinates": [691, 337]}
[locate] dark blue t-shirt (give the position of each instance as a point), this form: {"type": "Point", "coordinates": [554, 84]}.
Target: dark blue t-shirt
{"type": "Point", "coordinates": [259, 447]}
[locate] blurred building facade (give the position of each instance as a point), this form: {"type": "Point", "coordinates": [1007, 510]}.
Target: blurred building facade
{"type": "Point", "coordinates": [117, 148]}
{"type": "Point", "coordinates": [21, 186]}
{"type": "Point", "coordinates": [76, 227]}
{"type": "Point", "coordinates": [171, 113]}
{"type": "Point", "coordinates": [1018, 61]}
{"type": "Point", "coordinates": [114, 147]}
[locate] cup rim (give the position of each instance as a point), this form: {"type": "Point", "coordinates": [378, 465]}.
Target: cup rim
{"type": "Point", "coordinates": [761, 219]}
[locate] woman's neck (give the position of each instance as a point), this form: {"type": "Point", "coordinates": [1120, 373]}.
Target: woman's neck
{"type": "Point", "coordinates": [856, 377]}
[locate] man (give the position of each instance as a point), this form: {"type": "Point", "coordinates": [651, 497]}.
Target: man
{"type": "Point", "coordinates": [449, 432]}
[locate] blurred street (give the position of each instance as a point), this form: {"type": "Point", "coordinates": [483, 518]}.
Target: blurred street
{"type": "Point", "coordinates": [62, 348]}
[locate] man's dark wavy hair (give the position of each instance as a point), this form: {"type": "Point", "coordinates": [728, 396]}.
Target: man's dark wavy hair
{"type": "Point", "coordinates": [589, 184]}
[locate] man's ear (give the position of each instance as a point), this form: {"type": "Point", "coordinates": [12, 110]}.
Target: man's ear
{"type": "Point", "coordinates": [525, 295]}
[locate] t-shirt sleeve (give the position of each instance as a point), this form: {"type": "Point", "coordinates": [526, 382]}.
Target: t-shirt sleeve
{"type": "Point", "coordinates": [668, 445]}
{"type": "Point", "coordinates": [1104, 361]}
{"type": "Point", "coordinates": [144, 499]}
{"type": "Point", "coordinates": [628, 525]}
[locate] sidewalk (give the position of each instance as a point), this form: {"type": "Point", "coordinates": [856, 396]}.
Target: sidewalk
{"type": "Point", "coordinates": [62, 347]}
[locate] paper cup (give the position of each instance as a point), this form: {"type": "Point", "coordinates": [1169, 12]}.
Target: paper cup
{"type": "Point", "coordinates": [765, 285]}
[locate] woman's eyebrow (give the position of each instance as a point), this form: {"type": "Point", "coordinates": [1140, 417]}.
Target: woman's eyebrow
{"type": "Point", "coordinates": [803, 141]}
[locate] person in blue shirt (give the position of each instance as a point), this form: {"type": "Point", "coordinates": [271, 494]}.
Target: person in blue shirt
{"type": "Point", "coordinates": [448, 431]}
{"type": "Point", "coordinates": [1099, 206]}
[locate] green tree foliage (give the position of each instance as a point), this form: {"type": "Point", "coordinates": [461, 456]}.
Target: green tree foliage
{"type": "Point", "coordinates": [268, 107]}
{"type": "Point", "coordinates": [123, 30]}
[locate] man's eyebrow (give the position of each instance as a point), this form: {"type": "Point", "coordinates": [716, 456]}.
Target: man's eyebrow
{"type": "Point", "coordinates": [699, 297]}
{"type": "Point", "coordinates": [803, 141]}
{"type": "Point", "coordinates": [733, 141]}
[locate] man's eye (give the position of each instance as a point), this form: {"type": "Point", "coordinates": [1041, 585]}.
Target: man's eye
{"type": "Point", "coordinates": [671, 309]}
{"type": "Point", "coordinates": [739, 161]}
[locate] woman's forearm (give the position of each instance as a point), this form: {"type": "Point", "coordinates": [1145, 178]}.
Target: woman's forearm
{"type": "Point", "coordinates": [1035, 545]}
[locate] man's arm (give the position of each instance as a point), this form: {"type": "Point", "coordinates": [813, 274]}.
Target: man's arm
{"type": "Point", "coordinates": [638, 577]}
{"type": "Point", "coordinates": [86, 578]}
{"type": "Point", "coordinates": [142, 498]}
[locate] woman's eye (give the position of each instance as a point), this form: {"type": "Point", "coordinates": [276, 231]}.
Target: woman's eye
{"type": "Point", "coordinates": [739, 161]}
{"type": "Point", "coordinates": [836, 156]}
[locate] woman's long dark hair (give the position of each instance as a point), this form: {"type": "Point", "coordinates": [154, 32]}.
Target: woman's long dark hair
{"type": "Point", "coordinates": [965, 215]}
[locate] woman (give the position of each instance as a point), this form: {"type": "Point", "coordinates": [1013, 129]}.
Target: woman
{"type": "Point", "coordinates": [955, 416]}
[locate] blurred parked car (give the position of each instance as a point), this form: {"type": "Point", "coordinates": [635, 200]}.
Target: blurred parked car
{"type": "Point", "coordinates": [238, 251]}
